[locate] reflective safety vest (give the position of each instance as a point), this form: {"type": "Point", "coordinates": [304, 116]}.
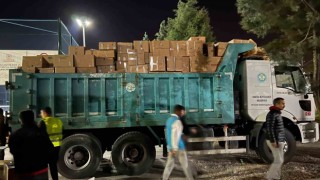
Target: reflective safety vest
{"type": "Point", "coordinates": [54, 129]}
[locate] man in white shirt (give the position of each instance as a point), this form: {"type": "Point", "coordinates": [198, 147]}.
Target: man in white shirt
{"type": "Point", "coordinates": [175, 144]}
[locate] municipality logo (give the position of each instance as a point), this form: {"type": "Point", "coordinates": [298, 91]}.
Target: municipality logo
{"type": "Point", "coordinates": [262, 77]}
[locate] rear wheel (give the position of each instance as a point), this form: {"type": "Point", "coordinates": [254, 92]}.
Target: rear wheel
{"type": "Point", "coordinates": [80, 156]}
{"type": "Point", "coordinates": [133, 153]}
{"type": "Point", "coordinates": [264, 152]}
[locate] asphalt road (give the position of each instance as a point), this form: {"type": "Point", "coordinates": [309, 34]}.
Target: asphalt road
{"type": "Point", "coordinates": [305, 165]}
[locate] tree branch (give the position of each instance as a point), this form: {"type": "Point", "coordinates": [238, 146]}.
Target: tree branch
{"type": "Point", "coordinates": [306, 34]}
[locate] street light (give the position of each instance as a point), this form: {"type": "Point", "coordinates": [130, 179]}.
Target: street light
{"type": "Point", "coordinates": [84, 23]}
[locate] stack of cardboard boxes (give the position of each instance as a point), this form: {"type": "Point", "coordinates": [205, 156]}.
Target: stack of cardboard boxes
{"type": "Point", "coordinates": [194, 55]}
{"type": "Point", "coordinates": [105, 57]}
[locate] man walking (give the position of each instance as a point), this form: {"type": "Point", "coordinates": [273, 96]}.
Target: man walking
{"type": "Point", "coordinates": [53, 127]}
{"type": "Point", "coordinates": [31, 149]}
{"type": "Point", "coordinates": [175, 144]}
{"type": "Point", "coordinates": [275, 137]}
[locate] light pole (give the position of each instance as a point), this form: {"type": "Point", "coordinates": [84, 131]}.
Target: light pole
{"type": "Point", "coordinates": [84, 23]}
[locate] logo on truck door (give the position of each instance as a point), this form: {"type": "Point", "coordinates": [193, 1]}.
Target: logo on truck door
{"type": "Point", "coordinates": [130, 87]}
{"type": "Point", "coordinates": [262, 77]}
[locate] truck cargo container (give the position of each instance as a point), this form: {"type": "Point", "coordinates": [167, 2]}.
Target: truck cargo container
{"type": "Point", "coordinates": [126, 112]}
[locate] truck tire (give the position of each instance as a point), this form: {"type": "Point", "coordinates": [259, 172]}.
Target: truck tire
{"type": "Point", "coordinates": [201, 132]}
{"type": "Point", "coordinates": [265, 154]}
{"type": "Point", "coordinates": [231, 144]}
{"type": "Point", "coordinates": [80, 156]}
{"type": "Point", "coordinates": [133, 153]}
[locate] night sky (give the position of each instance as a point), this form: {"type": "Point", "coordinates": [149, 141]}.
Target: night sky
{"type": "Point", "coordinates": [123, 20]}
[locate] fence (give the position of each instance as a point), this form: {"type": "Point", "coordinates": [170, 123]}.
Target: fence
{"type": "Point", "coordinates": [26, 34]}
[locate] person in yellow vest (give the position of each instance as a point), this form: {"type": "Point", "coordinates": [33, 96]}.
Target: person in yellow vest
{"type": "Point", "coordinates": [54, 127]}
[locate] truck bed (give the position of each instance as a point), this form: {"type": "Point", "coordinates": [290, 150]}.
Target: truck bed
{"type": "Point", "coordinates": [129, 99]}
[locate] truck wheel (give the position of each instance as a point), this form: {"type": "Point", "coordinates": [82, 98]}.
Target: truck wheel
{"type": "Point", "coordinates": [231, 144]}
{"type": "Point", "coordinates": [80, 156]}
{"type": "Point", "coordinates": [289, 149]}
{"type": "Point", "coordinates": [133, 153]}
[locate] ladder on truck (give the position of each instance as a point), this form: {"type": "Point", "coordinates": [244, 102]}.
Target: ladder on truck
{"type": "Point", "coordinates": [225, 150]}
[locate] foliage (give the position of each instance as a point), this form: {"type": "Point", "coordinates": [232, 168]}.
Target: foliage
{"type": "Point", "coordinates": [294, 26]}
{"type": "Point", "coordinates": [190, 20]}
{"type": "Point", "coordinates": [291, 23]}
{"type": "Point", "coordinates": [145, 37]}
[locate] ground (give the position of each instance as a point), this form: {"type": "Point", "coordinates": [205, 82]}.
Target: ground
{"type": "Point", "coordinates": [305, 165]}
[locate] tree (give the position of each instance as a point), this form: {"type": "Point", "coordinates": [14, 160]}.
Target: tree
{"type": "Point", "coordinates": [190, 20]}
{"type": "Point", "coordinates": [145, 37]}
{"type": "Point", "coordinates": [294, 24]}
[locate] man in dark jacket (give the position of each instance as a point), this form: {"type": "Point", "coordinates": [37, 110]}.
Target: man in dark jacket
{"type": "Point", "coordinates": [31, 149]}
{"type": "Point", "coordinates": [275, 137]}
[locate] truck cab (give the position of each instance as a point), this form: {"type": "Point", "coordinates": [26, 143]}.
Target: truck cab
{"type": "Point", "coordinates": [262, 81]}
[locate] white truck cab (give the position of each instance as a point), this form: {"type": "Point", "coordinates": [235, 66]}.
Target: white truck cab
{"type": "Point", "coordinates": [262, 81]}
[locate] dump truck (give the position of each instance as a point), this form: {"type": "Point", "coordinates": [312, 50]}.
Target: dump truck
{"type": "Point", "coordinates": [125, 113]}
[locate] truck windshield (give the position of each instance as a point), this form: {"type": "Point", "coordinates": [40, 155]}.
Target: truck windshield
{"type": "Point", "coordinates": [290, 78]}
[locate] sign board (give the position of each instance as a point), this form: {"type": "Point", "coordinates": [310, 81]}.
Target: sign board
{"type": "Point", "coordinates": [12, 59]}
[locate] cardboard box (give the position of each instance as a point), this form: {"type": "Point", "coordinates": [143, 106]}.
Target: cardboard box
{"type": "Point", "coordinates": [160, 45]}
{"type": "Point", "coordinates": [211, 49]}
{"type": "Point", "coordinates": [141, 46]}
{"type": "Point", "coordinates": [46, 70]}
{"type": "Point", "coordinates": [84, 61]}
{"type": "Point", "coordinates": [105, 69]}
{"type": "Point", "coordinates": [204, 64]}
{"type": "Point", "coordinates": [86, 70]}
{"type": "Point", "coordinates": [65, 70]}
{"type": "Point", "coordinates": [178, 53]}
{"type": "Point", "coordinates": [220, 52]}
{"type": "Point", "coordinates": [76, 50]}
{"type": "Point", "coordinates": [178, 48]}
{"type": "Point", "coordinates": [157, 63]}
{"type": "Point", "coordinates": [138, 69]}
{"type": "Point", "coordinates": [178, 64]}
{"type": "Point", "coordinates": [132, 55]}
{"type": "Point", "coordinates": [178, 45]}
{"type": "Point", "coordinates": [214, 60]}
{"type": "Point", "coordinates": [211, 68]}
{"type": "Point", "coordinates": [123, 47]}
{"type": "Point", "coordinates": [48, 59]}
{"type": "Point", "coordinates": [161, 52]}
{"type": "Point", "coordinates": [122, 57]}
{"type": "Point", "coordinates": [194, 47]}
{"type": "Point", "coordinates": [221, 45]}
{"type": "Point", "coordinates": [143, 58]}
{"type": "Point", "coordinates": [104, 61]}
{"type": "Point", "coordinates": [63, 61]}
{"type": "Point", "coordinates": [197, 63]}
{"type": "Point", "coordinates": [199, 38]}
{"type": "Point", "coordinates": [132, 62]}
{"type": "Point", "coordinates": [31, 63]}
{"type": "Point", "coordinates": [243, 41]}
{"type": "Point", "coordinates": [107, 45]}
{"type": "Point", "coordinates": [121, 65]}
{"type": "Point", "coordinates": [30, 69]}
{"type": "Point", "coordinates": [89, 52]}
{"type": "Point", "coordinates": [105, 53]}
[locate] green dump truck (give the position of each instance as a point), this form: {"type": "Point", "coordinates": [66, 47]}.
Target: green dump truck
{"type": "Point", "coordinates": [126, 112]}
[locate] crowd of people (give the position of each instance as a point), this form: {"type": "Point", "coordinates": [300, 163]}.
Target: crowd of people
{"type": "Point", "coordinates": [34, 146]}
{"type": "Point", "coordinates": [31, 160]}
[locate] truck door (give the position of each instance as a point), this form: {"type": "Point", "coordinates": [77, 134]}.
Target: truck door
{"type": "Point", "coordinates": [290, 84]}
